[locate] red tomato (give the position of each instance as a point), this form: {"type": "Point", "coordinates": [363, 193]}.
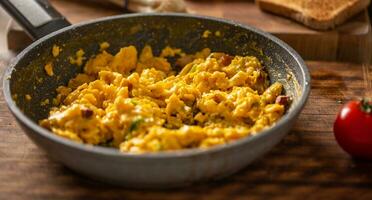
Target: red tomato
{"type": "Point", "coordinates": [353, 128]}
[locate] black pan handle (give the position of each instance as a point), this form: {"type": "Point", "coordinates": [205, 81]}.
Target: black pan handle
{"type": "Point", "coordinates": [37, 17]}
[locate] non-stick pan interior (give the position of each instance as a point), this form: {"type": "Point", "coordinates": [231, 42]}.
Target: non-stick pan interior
{"type": "Point", "coordinates": [159, 31]}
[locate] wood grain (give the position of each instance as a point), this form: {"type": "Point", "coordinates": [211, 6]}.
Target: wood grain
{"type": "Point", "coordinates": [346, 43]}
{"type": "Point", "coordinates": [307, 163]}
{"type": "Point", "coordinates": [248, 13]}
{"type": "Point", "coordinates": [342, 44]}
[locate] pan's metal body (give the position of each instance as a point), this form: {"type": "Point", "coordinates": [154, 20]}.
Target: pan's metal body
{"type": "Point", "coordinates": [158, 30]}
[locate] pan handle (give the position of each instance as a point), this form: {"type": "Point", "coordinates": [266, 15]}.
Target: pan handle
{"type": "Point", "coordinates": [37, 17]}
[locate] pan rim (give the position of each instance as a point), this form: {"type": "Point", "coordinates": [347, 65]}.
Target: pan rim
{"type": "Point", "coordinates": [104, 151]}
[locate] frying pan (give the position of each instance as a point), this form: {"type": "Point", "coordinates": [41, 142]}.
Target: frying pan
{"type": "Point", "coordinates": [26, 76]}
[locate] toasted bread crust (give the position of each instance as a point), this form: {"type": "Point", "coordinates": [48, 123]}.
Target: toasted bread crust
{"type": "Point", "coordinates": [316, 14]}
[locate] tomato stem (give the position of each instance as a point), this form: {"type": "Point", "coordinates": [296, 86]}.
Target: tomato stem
{"type": "Point", "coordinates": [366, 105]}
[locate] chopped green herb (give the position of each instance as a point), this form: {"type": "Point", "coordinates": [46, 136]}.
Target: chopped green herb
{"type": "Point", "coordinates": [134, 102]}
{"type": "Point", "coordinates": [135, 124]}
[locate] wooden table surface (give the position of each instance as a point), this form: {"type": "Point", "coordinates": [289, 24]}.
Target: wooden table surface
{"type": "Point", "coordinates": [307, 164]}
{"type": "Point", "coordinates": [332, 45]}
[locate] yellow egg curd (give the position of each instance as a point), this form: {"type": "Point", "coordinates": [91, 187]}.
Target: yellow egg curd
{"type": "Point", "coordinates": [139, 103]}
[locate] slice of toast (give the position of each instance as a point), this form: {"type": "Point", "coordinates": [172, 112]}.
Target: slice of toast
{"type": "Point", "coordinates": [317, 14]}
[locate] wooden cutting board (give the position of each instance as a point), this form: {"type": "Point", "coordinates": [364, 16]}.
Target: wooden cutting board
{"type": "Point", "coordinates": [346, 43]}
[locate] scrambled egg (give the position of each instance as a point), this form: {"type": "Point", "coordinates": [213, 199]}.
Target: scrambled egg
{"type": "Point", "coordinates": [137, 103]}
{"type": "Point", "coordinates": [56, 50]}
{"type": "Point", "coordinates": [49, 69]}
{"type": "Point", "coordinates": [28, 97]}
{"type": "Point", "coordinates": [78, 59]}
